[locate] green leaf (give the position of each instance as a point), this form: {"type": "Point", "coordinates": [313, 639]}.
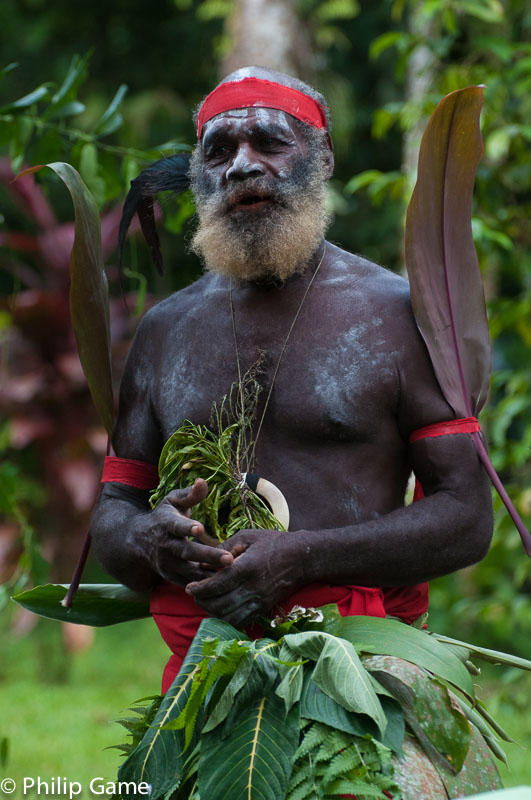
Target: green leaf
{"type": "Point", "coordinates": [68, 110]}
{"type": "Point", "coordinates": [486, 10]}
{"type": "Point", "coordinates": [29, 99]}
{"type": "Point", "coordinates": [387, 40]}
{"type": "Point", "coordinates": [396, 727]}
{"type": "Point", "coordinates": [389, 637]}
{"type": "Point", "coordinates": [262, 679]}
{"type": "Point", "coordinates": [493, 656]}
{"type": "Point", "coordinates": [318, 706]}
{"type": "Point", "coordinates": [363, 179]}
{"type": "Point", "coordinates": [89, 300]}
{"type": "Point", "coordinates": [255, 761]}
{"type": "Point", "coordinates": [66, 92]}
{"type": "Point", "coordinates": [96, 604]}
{"type": "Point", "coordinates": [221, 659]}
{"type": "Point", "coordinates": [7, 69]}
{"type": "Point", "coordinates": [339, 672]}
{"type": "Point", "coordinates": [111, 119]}
{"type": "Point", "coordinates": [89, 170]}
{"type": "Point", "coordinates": [225, 703]}
{"type": "Point", "coordinates": [158, 759]}
{"type": "Point", "coordinates": [438, 723]}
{"type": "Point", "coordinates": [290, 687]}
{"type": "Point", "coordinates": [21, 132]}
{"type": "Point", "coordinates": [337, 9]}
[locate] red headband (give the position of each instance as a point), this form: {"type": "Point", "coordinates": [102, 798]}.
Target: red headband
{"type": "Point", "coordinates": [258, 93]}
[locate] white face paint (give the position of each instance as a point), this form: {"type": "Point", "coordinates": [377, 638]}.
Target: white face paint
{"type": "Point", "coordinates": [265, 117]}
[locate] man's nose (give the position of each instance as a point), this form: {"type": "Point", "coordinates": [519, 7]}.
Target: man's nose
{"type": "Point", "coordinates": [245, 165]}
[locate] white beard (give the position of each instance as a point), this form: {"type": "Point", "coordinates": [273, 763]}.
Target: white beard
{"type": "Point", "coordinates": [274, 243]}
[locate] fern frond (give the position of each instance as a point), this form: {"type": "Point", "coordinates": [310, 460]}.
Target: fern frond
{"type": "Point", "coordinates": [137, 727]}
{"type": "Point", "coordinates": [302, 772]}
{"type": "Point", "coordinates": [308, 789]}
{"type": "Point", "coordinates": [344, 763]}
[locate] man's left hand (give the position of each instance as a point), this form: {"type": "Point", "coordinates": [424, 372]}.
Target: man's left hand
{"type": "Point", "coordinates": [266, 569]}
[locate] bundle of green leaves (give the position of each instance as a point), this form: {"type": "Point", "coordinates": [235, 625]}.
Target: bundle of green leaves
{"type": "Point", "coordinates": [220, 454]}
{"type": "Point", "coordinates": [194, 451]}
{"type": "Point", "coordinates": [330, 706]}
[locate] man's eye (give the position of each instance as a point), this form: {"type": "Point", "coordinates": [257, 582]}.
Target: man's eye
{"type": "Point", "coordinates": [271, 143]}
{"type": "Point", "coordinates": [218, 151]}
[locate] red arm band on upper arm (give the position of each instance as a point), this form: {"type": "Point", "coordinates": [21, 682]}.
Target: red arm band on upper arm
{"type": "Point", "coordinates": [138, 474]}
{"type": "Point", "coordinates": [464, 425]}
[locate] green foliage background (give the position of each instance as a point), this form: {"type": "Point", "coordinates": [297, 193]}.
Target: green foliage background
{"type": "Point", "coordinates": [79, 58]}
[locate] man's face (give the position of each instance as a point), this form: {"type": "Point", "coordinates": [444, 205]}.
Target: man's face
{"type": "Point", "coordinates": [251, 144]}
{"type": "Point", "coordinates": [259, 188]}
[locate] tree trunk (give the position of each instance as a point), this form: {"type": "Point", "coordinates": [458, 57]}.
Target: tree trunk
{"type": "Point", "coordinates": [268, 33]}
{"type": "Point", "coordinates": [421, 70]}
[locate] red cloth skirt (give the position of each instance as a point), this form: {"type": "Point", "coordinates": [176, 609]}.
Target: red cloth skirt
{"type": "Point", "coordinates": [178, 616]}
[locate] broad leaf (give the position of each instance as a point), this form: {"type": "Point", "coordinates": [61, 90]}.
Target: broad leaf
{"type": "Point", "coordinates": [290, 686]}
{"type": "Point", "coordinates": [446, 288]}
{"type": "Point", "coordinates": [389, 637]}
{"type": "Point", "coordinates": [89, 297]}
{"type": "Point", "coordinates": [317, 705]}
{"type": "Point", "coordinates": [262, 679]}
{"type": "Point", "coordinates": [255, 761]}
{"type": "Point", "coordinates": [96, 604]}
{"type": "Point", "coordinates": [396, 728]}
{"type": "Point", "coordinates": [339, 672]}
{"type": "Point", "coordinates": [438, 723]}
{"type": "Point", "coordinates": [225, 703]}
{"type": "Point", "coordinates": [158, 759]}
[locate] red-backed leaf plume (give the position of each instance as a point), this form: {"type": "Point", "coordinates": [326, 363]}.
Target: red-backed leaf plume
{"type": "Point", "coordinates": [446, 288]}
{"type": "Point", "coordinates": [445, 282]}
{"type": "Point", "coordinates": [89, 299]}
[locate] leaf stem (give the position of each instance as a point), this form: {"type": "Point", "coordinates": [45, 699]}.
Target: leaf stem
{"type": "Point", "coordinates": [498, 485]}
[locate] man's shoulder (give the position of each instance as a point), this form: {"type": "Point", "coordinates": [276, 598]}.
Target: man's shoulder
{"type": "Point", "coordinates": [184, 302]}
{"type": "Point", "coordinates": [355, 274]}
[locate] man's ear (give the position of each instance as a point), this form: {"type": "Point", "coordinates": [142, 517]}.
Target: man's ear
{"type": "Point", "coordinates": [328, 156]}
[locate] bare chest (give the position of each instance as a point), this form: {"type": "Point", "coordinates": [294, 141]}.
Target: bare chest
{"type": "Point", "coordinates": [332, 378]}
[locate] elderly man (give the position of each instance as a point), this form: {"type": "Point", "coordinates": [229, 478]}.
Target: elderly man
{"type": "Point", "coordinates": [349, 381]}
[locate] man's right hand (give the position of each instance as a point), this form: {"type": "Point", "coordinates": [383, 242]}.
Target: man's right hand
{"type": "Point", "coordinates": [176, 546]}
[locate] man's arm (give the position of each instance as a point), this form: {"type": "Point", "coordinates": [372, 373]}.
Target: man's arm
{"type": "Point", "coordinates": [138, 546]}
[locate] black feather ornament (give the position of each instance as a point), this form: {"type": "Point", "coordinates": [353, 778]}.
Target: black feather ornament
{"type": "Point", "coordinates": [167, 174]}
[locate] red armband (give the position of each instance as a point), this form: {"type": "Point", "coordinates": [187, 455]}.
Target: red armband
{"type": "Point", "coordinates": [453, 426]}
{"type": "Point", "coordinates": [465, 425]}
{"type": "Point", "coordinates": [138, 474]}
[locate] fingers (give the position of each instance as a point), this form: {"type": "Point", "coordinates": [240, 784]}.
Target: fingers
{"type": "Point", "coordinates": [170, 520]}
{"type": "Point", "coordinates": [185, 572]}
{"type": "Point", "coordinates": [191, 496]}
{"type": "Point", "coordinates": [182, 500]}
{"type": "Point", "coordinates": [178, 559]}
{"type": "Point", "coordinates": [219, 584]}
{"type": "Point", "coordinates": [175, 511]}
{"type": "Point", "coordinates": [236, 608]}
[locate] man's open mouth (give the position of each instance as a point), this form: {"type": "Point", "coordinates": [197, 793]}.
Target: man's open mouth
{"type": "Point", "coordinates": [251, 202]}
